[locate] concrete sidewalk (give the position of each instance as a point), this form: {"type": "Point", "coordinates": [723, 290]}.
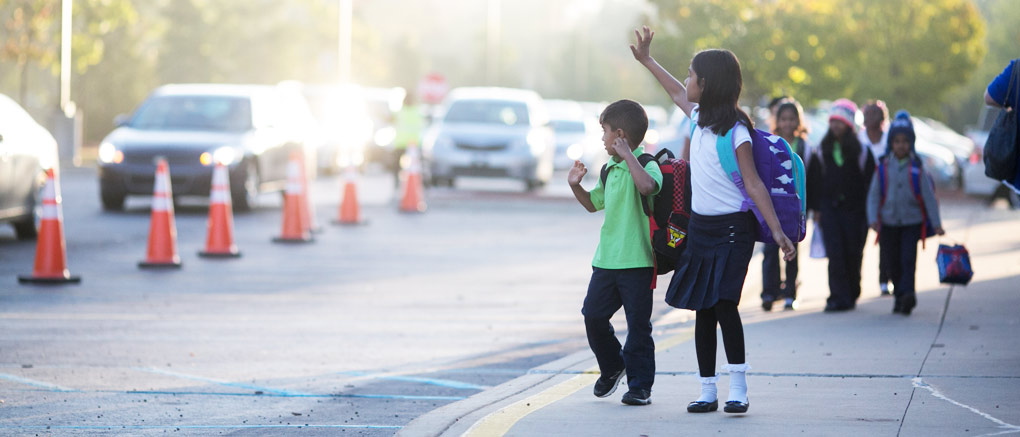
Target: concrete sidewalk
{"type": "Point", "coordinates": [951, 368]}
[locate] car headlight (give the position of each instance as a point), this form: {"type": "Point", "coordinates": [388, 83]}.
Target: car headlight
{"type": "Point", "coordinates": [535, 143]}
{"type": "Point", "coordinates": [225, 155]}
{"type": "Point", "coordinates": [385, 136]}
{"type": "Point", "coordinates": [108, 153]}
{"type": "Point", "coordinates": [575, 151]}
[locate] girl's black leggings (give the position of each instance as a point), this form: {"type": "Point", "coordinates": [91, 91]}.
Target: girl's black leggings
{"type": "Point", "coordinates": [724, 314]}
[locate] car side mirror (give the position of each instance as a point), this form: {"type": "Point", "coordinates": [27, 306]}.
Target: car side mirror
{"type": "Point", "coordinates": [121, 120]}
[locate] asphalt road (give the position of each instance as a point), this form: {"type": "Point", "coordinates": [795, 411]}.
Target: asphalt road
{"type": "Point", "coordinates": [357, 333]}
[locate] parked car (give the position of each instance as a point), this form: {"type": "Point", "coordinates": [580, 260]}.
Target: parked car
{"type": "Point", "coordinates": [342, 118]}
{"type": "Point", "coordinates": [27, 150]}
{"type": "Point", "coordinates": [490, 132]}
{"type": "Point", "coordinates": [382, 105]}
{"type": "Point", "coordinates": [576, 133]}
{"type": "Point", "coordinates": [250, 128]}
{"type": "Point", "coordinates": [938, 133]}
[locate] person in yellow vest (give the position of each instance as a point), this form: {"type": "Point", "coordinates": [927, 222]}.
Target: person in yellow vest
{"type": "Point", "coordinates": [409, 124]}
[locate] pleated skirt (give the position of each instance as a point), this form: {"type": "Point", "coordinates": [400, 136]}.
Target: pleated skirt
{"type": "Point", "coordinates": [714, 264]}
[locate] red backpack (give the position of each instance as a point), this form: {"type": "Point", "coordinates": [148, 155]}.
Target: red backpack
{"type": "Point", "coordinates": [670, 212]}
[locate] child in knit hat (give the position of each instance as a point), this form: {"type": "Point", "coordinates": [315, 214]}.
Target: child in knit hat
{"type": "Point", "coordinates": [902, 208]}
{"type": "Point", "coordinates": [838, 176]}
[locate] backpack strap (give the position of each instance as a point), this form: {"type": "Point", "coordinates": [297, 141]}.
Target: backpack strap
{"type": "Point", "coordinates": [643, 159]}
{"type": "Point", "coordinates": [727, 152]}
{"type": "Point", "coordinates": [916, 175]}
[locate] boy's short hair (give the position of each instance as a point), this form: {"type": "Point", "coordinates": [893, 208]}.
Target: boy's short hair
{"type": "Point", "coordinates": [629, 116]}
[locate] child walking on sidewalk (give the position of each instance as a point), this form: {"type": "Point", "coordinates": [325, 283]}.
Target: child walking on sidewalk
{"type": "Point", "coordinates": [623, 267]}
{"type": "Point", "coordinates": [902, 209]}
{"type": "Point", "coordinates": [710, 273]}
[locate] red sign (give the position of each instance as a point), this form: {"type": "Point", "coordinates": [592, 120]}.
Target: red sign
{"type": "Point", "coordinates": [433, 88]}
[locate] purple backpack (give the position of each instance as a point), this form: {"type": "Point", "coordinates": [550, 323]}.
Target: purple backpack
{"type": "Point", "coordinates": [782, 172]}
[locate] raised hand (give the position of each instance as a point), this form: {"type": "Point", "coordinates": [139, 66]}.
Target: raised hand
{"type": "Point", "coordinates": [621, 147]}
{"type": "Point", "coordinates": [576, 173]}
{"type": "Point", "coordinates": [642, 50]}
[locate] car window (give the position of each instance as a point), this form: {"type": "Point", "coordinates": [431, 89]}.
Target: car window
{"type": "Point", "coordinates": [212, 113]}
{"type": "Point", "coordinates": [568, 126]}
{"type": "Point", "coordinates": [488, 112]}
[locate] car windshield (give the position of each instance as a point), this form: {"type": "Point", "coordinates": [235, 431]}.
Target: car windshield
{"type": "Point", "coordinates": [208, 113]}
{"type": "Point", "coordinates": [488, 112]}
{"type": "Point", "coordinates": [568, 126]}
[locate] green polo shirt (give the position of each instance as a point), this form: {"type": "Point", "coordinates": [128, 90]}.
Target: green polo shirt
{"type": "Point", "coordinates": [625, 240]}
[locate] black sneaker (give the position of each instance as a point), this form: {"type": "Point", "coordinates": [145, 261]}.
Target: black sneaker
{"type": "Point", "coordinates": [606, 384]}
{"type": "Point", "coordinates": [637, 396]}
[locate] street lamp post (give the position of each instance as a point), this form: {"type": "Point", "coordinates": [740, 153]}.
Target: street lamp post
{"type": "Point", "coordinates": [344, 54]}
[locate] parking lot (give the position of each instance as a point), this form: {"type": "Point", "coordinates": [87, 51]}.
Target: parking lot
{"type": "Point", "coordinates": [362, 330]}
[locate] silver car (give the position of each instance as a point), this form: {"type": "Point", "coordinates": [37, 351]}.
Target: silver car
{"type": "Point", "coordinates": [27, 150]}
{"type": "Point", "coordinates": [490, 132]}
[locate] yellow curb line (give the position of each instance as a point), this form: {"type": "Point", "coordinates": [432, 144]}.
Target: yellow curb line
{"type": "Point", "coordinates": [500, 421]}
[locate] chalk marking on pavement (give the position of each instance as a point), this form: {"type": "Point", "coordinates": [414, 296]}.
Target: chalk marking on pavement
{"type": "Point", "coordinates": [1008, 428]}
{"type": "Point", "coordinates": [34, 383]}
{"type": "Point", "coordinates": [431, 381]}
{"type": "Point", "coordinates": [220, 382]}
{"type": "Point", "coordinates": [114, 427]}
{"type": "Point", "coordinates": [502, 420]}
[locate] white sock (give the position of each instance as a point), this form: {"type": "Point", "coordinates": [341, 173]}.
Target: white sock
{"type": "Point", "coordinates": [709, 393]}
{"type": "Point", "coordinates": [738, 381]}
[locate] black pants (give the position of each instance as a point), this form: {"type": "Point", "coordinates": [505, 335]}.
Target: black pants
{"type": "Point", "coordinates": [608, 290]}
{"type": "Point", "coordinates": [771, 288]}
{"type": "Point", "coordinates": [898, 246]}
{"type": "Point", "coordinates": [844, 232]}
{"type": "Point", "coordinates": [724, 315]}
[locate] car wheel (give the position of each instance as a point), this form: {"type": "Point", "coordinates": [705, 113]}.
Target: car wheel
{"type": "Point", "coordinates": [245, 197]}
{"type": "Point", "coordinates": [28, 227]}
{"type": "Point", "coordinates": [112, 201]}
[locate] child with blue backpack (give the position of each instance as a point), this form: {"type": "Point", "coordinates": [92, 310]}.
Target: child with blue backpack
{"type": "Point", "coordinates": [710, 273]}
{"type": "Point", "coordinates": [902, 209]}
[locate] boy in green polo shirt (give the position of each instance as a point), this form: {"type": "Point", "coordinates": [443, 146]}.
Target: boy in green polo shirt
{"type": "Point", "coordinates": [623, 267]}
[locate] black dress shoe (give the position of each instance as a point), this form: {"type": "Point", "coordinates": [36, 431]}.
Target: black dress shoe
{"type": "Point", "coordinates": [909, 302]}
{"type": "Point", "coordinates": [766, 304]}
{"type": "Point", "coordinates": [897, 305]}
{"type": "Point", "coordinates": [702, 406]}
{"type": "Point", "coordinates": [834, 308]}
{"type": "Point", "coordinates": [736, 406]}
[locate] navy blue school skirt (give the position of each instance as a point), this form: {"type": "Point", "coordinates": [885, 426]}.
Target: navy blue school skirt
{"type": "Point", "coordinates": [714, 264]}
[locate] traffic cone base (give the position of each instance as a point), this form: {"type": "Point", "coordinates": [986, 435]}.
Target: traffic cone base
{"type": "Point", "coordinates": [160, 265]}
{"type": "Point", "coordinates": [205, 254]}
{"type": "Point", "coordinates": [42, 280]}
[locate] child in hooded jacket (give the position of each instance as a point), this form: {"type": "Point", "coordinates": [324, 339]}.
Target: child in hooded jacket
{"type": "Point", "coordinates": [902, 208]}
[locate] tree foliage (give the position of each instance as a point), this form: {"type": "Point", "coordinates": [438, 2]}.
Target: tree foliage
{"type": "Point", "coordinates": [908, 52]}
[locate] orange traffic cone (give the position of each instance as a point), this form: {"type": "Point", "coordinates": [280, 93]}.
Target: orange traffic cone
{"type": "Point", "coordinates": [306, 193]}
{"type": "Point", "coordinates": [349, 213]}
{"type": "Point", "coordinates": [50, 258]}
{"type": "Point", "coordinates": [220, 241]}
{"type": "Point", "coordinates": [413, 199]}
{"type": "Point", "coordinates": [295, 214]}
{"type": "Point", "coordinates": [162, 251]}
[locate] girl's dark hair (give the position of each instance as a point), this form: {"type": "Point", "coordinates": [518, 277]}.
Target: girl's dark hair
{"type": "Point", "coordinates": [849, 142]}
{"type": "Point", "coordinates": [792, 105]}
{"type": "Point", "coordinates": [719, 76]}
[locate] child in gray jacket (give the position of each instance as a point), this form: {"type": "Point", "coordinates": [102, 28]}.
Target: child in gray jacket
{"type": "Point", "coordinates": [902, 208]}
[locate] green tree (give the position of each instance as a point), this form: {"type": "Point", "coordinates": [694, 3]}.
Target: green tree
{"type": "Point", "coordinates": [908, 52]}
{"type": "Point", "coordinates": [32, 33]}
